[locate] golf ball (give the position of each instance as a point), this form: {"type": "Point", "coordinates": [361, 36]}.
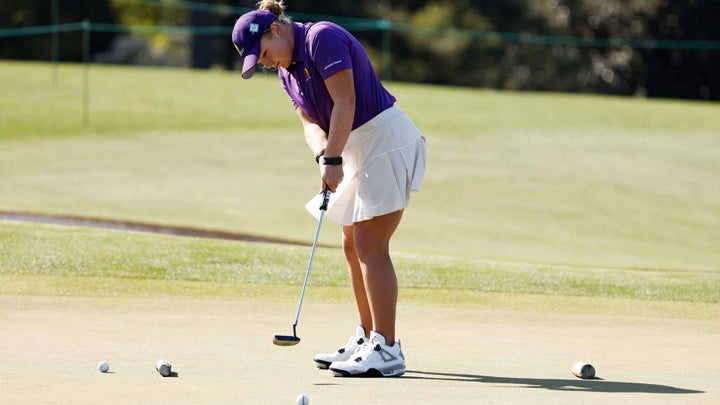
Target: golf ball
{"type": "Point", "coordinates": [583, 370]}
{"type": "Point", "coordinates": [103, 366]}
{"type": "Point", "coordinates": [302, 400]}
{"type": "Point", "coordinates": [163, 368]}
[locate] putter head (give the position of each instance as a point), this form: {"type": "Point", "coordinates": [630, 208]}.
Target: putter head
{"type": "Point", "coordinates": [283, 340]}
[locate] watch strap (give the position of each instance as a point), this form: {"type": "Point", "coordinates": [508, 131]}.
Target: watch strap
{"type": "Point", "coordinates": [318, 155]}
{"type": "Point", "coordinates": [333, 161]}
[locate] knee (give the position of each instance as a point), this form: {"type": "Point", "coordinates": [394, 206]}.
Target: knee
{"type": "Point", "coordinates": [368, 250]}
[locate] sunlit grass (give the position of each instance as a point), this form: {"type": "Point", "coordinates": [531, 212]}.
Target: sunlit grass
{"type": "Point", "coordinates": [555, 179]}
{"type": "Point", "coordinates": [108, 257]}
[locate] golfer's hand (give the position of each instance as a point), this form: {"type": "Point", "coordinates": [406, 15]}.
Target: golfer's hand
{"type": "Point", "coordinates": [332, 176]}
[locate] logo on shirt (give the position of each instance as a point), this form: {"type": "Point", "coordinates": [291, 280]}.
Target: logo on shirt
{"type": "Point", "coordinates": [307, 74]}
{"type": "Point", "coordinates": [332, 64]}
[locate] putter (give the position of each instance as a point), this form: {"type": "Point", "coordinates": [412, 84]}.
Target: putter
{"type": "Point", "coordinates": [286, 340]}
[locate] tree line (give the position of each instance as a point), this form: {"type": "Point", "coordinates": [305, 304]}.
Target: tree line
{"type": "Point", "coordinates": [433, 41]}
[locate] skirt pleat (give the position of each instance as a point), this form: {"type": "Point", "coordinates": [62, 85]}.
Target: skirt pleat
{"type": "Point", "coordinates": [384, 161]}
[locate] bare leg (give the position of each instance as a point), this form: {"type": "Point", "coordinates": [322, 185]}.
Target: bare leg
{"type": "Point", "coordinates": [356, 280]}
{"type": "Point", "coordinates": [372, 248]}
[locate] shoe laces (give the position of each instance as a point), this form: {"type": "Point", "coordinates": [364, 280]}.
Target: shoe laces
{"type": "Point", "coordinates": [367, 349]}
{"type": "Point", "coordinates": [353, 340]}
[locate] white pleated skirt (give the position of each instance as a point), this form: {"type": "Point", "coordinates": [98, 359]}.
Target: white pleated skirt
{"type": "Point", "coordinates": [384, 161]}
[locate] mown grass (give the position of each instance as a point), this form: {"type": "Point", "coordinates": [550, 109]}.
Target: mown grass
{"type": "Point", "coordinates": [133, 99]}
{"type": "Point", "coordinates": [539, 194]}
{"type": "Point", "coordinates": [129, 99]}
{"type": "Point", "coordinates": [99, 254]}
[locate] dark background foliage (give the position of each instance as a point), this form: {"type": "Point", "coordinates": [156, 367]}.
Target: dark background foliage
{"type": "Point", "coordinates": [435, 41]}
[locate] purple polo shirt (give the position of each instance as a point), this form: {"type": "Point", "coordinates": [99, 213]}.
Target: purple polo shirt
{"type": "Point", "coordinates": [322, 49]}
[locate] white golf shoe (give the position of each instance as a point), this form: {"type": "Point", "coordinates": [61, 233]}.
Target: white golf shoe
{"type": "Point", "coordinates": [323, 360]}
{"type": "Point", "coordinates": [374, 358]}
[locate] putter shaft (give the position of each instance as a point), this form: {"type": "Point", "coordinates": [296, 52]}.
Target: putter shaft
{"type": "Point", "coordinates": [281, 340]}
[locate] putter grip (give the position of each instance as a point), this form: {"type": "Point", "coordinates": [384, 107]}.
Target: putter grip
{"type": "Point", "coordinates": [326, 199]}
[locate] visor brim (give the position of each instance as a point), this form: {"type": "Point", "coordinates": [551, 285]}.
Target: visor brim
{"type": "Point", "coordinates": [249, 63]}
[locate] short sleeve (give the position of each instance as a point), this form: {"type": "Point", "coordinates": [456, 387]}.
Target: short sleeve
{"type": "Point", "coordinates": [329, 49]}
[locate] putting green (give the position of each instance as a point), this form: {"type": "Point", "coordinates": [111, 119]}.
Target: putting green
{"type": "Point", "coordinates": [222, 352]}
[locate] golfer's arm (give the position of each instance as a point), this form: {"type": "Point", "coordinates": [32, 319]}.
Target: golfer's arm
{"type": "Point", "coordinates": [342, 90]}
{"type": "Point", "coordinates": [315, 137]}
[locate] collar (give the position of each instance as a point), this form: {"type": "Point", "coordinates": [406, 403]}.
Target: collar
{"type": "Point", "coordinates": [299, 52]}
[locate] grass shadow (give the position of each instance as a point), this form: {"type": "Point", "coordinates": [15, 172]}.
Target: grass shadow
{"type": "Point", "coordinates": [594, 385]}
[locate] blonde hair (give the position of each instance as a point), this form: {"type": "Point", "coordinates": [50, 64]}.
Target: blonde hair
{"type": "Point", "coordinates": [276, 7]}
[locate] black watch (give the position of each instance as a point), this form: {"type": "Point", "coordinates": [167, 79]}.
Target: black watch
{"type": "Point", "coordinates": [318, 155]}
{"type": "Point", "coordinates": [333, 161]}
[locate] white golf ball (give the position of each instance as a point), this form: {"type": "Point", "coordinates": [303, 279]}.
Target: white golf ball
{"type": "Point", "coordinates": [302, 400]}
{"type": "Point", "coordinates": [103, 366]}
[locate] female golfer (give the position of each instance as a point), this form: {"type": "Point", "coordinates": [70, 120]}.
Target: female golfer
{"type": "Point", "coordinates": [371, 156]}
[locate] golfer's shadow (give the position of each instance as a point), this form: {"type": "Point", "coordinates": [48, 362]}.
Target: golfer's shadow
{"type": "Point", "coordinates": [594, 385]}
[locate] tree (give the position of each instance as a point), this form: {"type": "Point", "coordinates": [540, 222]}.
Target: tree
{"type": "Point", "coordinates": [29, 13]}
{"type": "Point", "coordinates": [685, 73]}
